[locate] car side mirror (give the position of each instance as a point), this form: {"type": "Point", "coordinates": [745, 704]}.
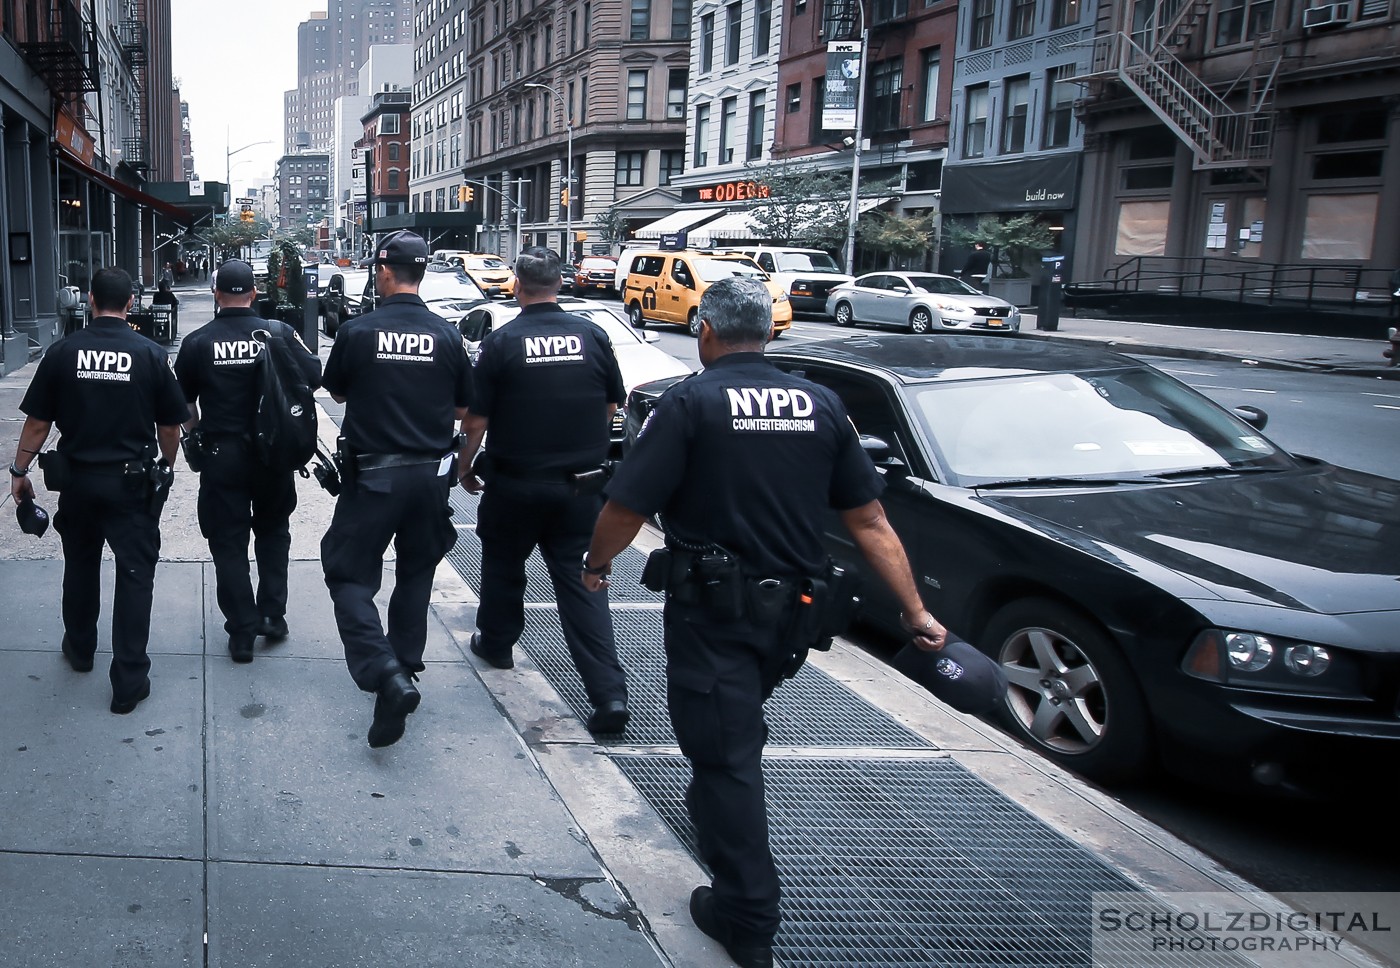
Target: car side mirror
{"type": "Point", "coordinates": [651, 336]}
{"type": "Point", "coordinates": [1253, 416]}
{"type": "Point", "coordinates": [900, 289]}
{"type": "Point", "coordinates": [878, 450]}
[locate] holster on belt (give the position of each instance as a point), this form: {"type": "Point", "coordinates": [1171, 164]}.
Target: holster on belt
{"type": "Point", "coordinates": [57, 468]}
{"type": "Point", "coordinates": [345, 463]}
{"type": "Point", "coordinates": [712, 579]}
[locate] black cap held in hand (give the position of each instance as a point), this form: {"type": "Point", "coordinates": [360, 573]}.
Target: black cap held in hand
{"type": "Point", "coordinates": [234, 276]}
{"type": "Point", "coordinates": [956, 674]}
{"type": "Point", "coordinates": [402, 249]}
{"type": "Point", "coordinates": [32, 518]}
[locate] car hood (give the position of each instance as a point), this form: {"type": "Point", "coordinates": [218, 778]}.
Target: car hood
{"type": "Point", "coordinates": [642, 363]}
{"type": "Point", "coordinates": [967, 302]}
{"type": "Point", "coordinates": [1323, 539]}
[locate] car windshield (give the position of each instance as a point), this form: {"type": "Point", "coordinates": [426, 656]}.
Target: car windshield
{"type": "Point", "coordinates": [612, 323]}
{"type": "Point", "coordinates": [806, 262]}
{"type": "Point", "coordinates": [446, 285]}
{"type": "Point", "coordinates": [485, 264]}
{"type": "Point", "coordinates": [713, 270]}
{"type": "Point", "coordinates": [597, 265]}
{"type": "Point", "coordinates": [942, 286]}
{"type": "Point", "coordinates": [1137, 423]}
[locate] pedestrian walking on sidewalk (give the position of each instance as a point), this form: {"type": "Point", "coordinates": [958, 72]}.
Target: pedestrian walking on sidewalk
{"type": "Point", "coordinates": [977, 266]}
{"type": "Point", "coordinates": [741, 462]}
{"type": "Point", "coordinates": [404, 375]}
{"type": "Point", "coordinates": [547, 387]}
{"type": "Point", "coordinates": [167, 276]}
{"type": "Point", "coordinates": [118, 409]}
{"type": "Point", "coordinates": [238, 496]}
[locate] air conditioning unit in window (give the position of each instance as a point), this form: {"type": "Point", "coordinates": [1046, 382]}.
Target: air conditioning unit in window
{"type": "Point", "coordinates": [1327, 15]}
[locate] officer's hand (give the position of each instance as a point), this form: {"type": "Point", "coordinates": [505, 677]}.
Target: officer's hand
{"type": "Point", "coordinates": [21, 489]}
{"type": "Point", "coordinates": [594, 583]}
{"type": "Point", "coordinates": [470, 482]}
{"type": "Point", "coordinates": [928, 634]}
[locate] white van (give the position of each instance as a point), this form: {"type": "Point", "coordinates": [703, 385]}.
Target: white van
{"type": "Point", "coordinates": [806, 275]}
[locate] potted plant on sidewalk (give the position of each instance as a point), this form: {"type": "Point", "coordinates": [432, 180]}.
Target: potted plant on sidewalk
{"type": "Point", "coordinates": [1015, 242]}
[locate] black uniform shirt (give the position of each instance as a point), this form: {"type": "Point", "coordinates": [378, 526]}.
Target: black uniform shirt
{"type": "Point", "coordinates": [215, 368]}
{"type": "Point", "coordinates": [748, 457]}
{"type": "Point", "coordinates": [403, 371]}
{"type": "Point", "coordinates": [544, 382]}
{"type": "Point", "coordinates": [106, 388]}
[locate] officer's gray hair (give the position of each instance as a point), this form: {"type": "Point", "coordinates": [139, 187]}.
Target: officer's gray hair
{"type": "Point", "coordinates": [739, 309]}
{"type": "Point", "coordinates": [537, 270]}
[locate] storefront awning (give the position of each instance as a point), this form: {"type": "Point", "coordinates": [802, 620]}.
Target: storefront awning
{"type": "Point", "coordinates": [676, 222]}
{"type": "Point", "coordinates": [131, 192]}
{"type": "Point", "coordinates": [736, 225]}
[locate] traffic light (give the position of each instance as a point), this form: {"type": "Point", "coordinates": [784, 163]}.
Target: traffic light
{"type": "Point", "coordinates": [564, 196]}
{"type": "Point", "coordinates": [471, 193]}
{"type": "Point", "coordinates": [246, 215]}
{"type": "Point", "coordinates": [461, 193]}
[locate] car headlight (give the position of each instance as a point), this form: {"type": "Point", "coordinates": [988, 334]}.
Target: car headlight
{"type": "Point", "coordinates": [955, 308]}
{"type": "Point", "coordinates": [1252, 660]}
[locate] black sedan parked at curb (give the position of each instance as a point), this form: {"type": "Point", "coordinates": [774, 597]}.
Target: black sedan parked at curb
{"type": "Point", "coordinates": [1161, 583]}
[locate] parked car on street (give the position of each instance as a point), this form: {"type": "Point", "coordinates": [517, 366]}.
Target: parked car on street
{"type": "Point", "coordinates": [1160, 582]}
{"type": "Point", "coordinates": [637, 358]}
{"type": "Point", "coordinates": [341, 300]}
{"type": "Point", "coordinates": [446, 289]}
{"type": "Point", "coordinates": [921, 302]}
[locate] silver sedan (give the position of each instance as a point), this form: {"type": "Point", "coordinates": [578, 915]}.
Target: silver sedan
{"type": "Point", "coordinates": [921, 302]}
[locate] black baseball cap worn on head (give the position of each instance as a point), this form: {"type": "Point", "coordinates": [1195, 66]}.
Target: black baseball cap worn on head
{"type": "Point", "coordinates": [956, 674]}
{"type": "Point", "coordinates": [32, 518]}
{"type": "Point", "coordinates": [402, 249]}
{"type": "Point", "coordinates": [234, 276]}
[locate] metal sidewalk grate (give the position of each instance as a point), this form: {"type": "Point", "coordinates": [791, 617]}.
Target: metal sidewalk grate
{"type": "Point", "coordinates": [625, 585]}
{"type": "Point", "coordinates": [907, 862]}
{"type": "Point", "coordinates": [811, 709]}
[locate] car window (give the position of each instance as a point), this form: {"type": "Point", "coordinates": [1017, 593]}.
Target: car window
{"type": "Point", "coordinates": [897, 284]}
{"type": "Point", "coordinates": [681, 273]}
{"type": "Point", "coordinates": [476, 324]}
{"type": "Point", "coordinates": [873, 282]}
{"type": "Point", "coordinates": [869, 405]}
{"type": "Point", "coordinates": [765, 262]}
{"type": "Point", "coordinates": [943, 285]}
{"type": "Point", "coordinates": [713, 270]}
{"type": "Point", "coordinates": [807, 262]}
{"type": "Point", "coordinates": [649, 265]}
{"type": "Point", "coordinates": [617, 328]}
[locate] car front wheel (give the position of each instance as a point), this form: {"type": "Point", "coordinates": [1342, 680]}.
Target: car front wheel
{"type": "Point", "coordinates": [921, 321]}
{"type": "Point", "coordinates": [1071, 694]}
{"type": "Point", "coordinates": [844, 316]}
{"type": "Point", "coordinates": [634, 313]}
{"type": "Point", "coordinates": [332, 322]}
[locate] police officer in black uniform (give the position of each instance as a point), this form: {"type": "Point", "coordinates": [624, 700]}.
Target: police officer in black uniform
{"type": "Point", "coordinates": [118, 410]}
{"type": "Point", "coordinates": [237, 495]}
{"type": "Point", "coordinates": [547, 385]}
{"type": "Point", "coordinates": [742, 461]}
{"type": "Point", "coordinates": [403, 374]}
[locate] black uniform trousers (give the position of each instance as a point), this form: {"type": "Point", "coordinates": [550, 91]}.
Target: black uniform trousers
{"type": "Point", "coordinates": [238, 496]}
{"type": "Point", "coordinates": [718, 676]}
{"type": "Point", "coordinates": [104, 506]}
{"type": "Point", "coordinates": [405, 505]}
{"type": "Point", "coordinates": [516, 516]}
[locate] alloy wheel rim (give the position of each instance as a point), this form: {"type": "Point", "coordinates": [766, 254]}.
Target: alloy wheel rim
{"type": "Point", "coordinates": [1054, 691]}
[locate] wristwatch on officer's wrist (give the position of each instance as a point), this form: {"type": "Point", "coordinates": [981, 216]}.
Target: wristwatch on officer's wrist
{"type": "Point", "coordinates": [589, 569]}
{"type": "Point", "coordinates": [16, 472]}
{"type": "Point", "coordinates": [916, 629]}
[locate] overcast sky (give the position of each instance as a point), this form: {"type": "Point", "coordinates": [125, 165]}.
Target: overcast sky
{"type": "Point", "coordinates": [233, 60]}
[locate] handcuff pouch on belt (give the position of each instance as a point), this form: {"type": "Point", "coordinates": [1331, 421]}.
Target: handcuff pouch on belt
{"type": "Point", "coordinates": [57, 468]}
{"type": "Point", "coordinates": [197, 448]}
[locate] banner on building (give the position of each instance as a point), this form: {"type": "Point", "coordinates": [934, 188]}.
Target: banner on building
{"type": "Point", "coordinates": [196, 188]}
{"type": "Point", "coordinates": [842, 85]}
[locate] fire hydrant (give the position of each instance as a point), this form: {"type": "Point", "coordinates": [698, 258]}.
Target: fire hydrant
{"type": "Point", "coordinates": [1393, 354]}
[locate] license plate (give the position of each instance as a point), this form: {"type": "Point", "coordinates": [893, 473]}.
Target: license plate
{"type": "Point", "coordinates": [995, 322]}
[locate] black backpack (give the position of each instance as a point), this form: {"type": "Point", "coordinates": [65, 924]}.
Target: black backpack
{"type": "Point", "coordinates": [284, 424]}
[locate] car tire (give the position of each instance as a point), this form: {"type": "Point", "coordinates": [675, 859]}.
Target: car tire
{"type": "Point", "coordinates": [921, 321]}
{"type": "Point", "coordinates": [844, 316]}
{"type": "Point", "coordinates": [634, 314]}
{"type": "Point", "coordinates": [332, 322]}
{"type": "Point", "coordinates": [1071, 696]}
{"type": "Point", "coordinates": [692, 323]}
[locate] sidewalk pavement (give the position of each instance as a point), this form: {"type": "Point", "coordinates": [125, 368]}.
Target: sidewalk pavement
{"type": "Point", "coordinates": [238, 818]}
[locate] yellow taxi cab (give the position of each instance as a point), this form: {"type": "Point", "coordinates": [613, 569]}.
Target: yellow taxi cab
{"type": "Point", "coordinates": [666, 286]}
{"type": "Point", "coordinates": [487, 271]}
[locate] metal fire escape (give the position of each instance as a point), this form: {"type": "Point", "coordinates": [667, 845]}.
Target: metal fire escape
{"type": "Point", "coordinates": [63, 54]}
{"type": "Point", "coordinates": [1229, 128]}
{"type": "Point", "coordinates": [132, 34]}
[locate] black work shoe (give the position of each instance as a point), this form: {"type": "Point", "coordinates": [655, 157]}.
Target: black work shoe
{"type": "Point", "coordinates": [123, 706]}
{"type": "Point", "coordinates": [497, 660]}
{"type": "Point", "coordinates": [397, 698]}
{"type": "Point", "coordinates": [272, 629]}
{"type": "Point", "coordinates": [706, 918]}
{"type": "Point", "coordinates": [610, 717]}
{"type": "Point", "coordinates": [240, 647]}
{"type": "Point", "coordinates": [77, 662]}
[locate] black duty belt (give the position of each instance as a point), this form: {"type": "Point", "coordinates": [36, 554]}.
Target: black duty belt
{"type": "Point", "coordinates": [112, 468]}
{"type": "Point", "coordinates": [375, 462]}
{"type": "Point", "coordinates": [508, 468]}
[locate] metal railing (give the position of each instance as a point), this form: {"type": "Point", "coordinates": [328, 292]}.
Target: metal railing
{"type": "Point", "coordinates": [1266, 283]}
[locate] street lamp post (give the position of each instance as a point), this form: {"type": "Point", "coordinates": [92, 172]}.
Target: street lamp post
{"type": "Point", "coordinates": [568, 171]}
{"type": "Point", "coordinates": [228, 159]}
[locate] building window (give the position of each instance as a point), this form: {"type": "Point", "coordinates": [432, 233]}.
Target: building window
{"type": "Point", "coordinates": [641, 20]}
{"type": "Point", "coordinates": [933, 60]}
{"type": "Point", "coordinates": [814, 115]}
{"type": "Point", "coordinates": [680, 19]}
{"type": "Point", "coordinates": [587, 23]}
{"type": "Point", "coordinates": [1022, 18]}
{"type": "Point", "coordinates": [733, 27]}
{"type": "Point", "coordinates": [1016, 107]}
{"type": "Point", "coordinates": [393, 180]}
{"type": "Point", "coordinates": [393, 151]}
{"type": "Point", "coordinates": [1339, 226]}
{"type": "Point", "coordinates": [886, 88]}
{"type": "Point", "coordinates": [629, 167]}
{"type": "Point", "coordinates": [758, 111]}
{"type": "Point", "coordinates": [702, 137]}
{"type": "Point", "coordinates": [675, 93]}
{"type": "Point", "coordinates": [636, 95]}
{"type": "Point", "coordinates": [1237, 21]}
{"type": "Point", "coordinates": [1059, 107]}
{"type": "Point", "coordinates": [884, 11]}
{"type": "Point", "coordinates": [794, 98]}
{"type": "Point", "coordinates": [1064, 13]}
{"type": "Point", "coordinates": [672, 166]}
{"type": "Point", "coordinates": [728, 115]}
{"type": "Point", "coordinates": [1142, 228]}
{"type": "Point", "coordinates": [762, 26]}
{"type": "Point", "coordinates": [707, 43]}
{"type": "Point", "coordinates": [975, 122]}
{"type": "Point", "coordinates": [983, 18]}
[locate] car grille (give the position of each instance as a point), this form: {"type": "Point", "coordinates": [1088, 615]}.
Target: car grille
{"type": "Point", "coordinates": [821, 289]}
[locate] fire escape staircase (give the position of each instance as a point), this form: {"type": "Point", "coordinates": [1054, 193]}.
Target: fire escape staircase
{"type": "Point", "coordinates": [1229, 129]}
{"type": "Point", "coordinates": [131, 33]}
{"type": "Point", "coordinates": [63, 55]}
